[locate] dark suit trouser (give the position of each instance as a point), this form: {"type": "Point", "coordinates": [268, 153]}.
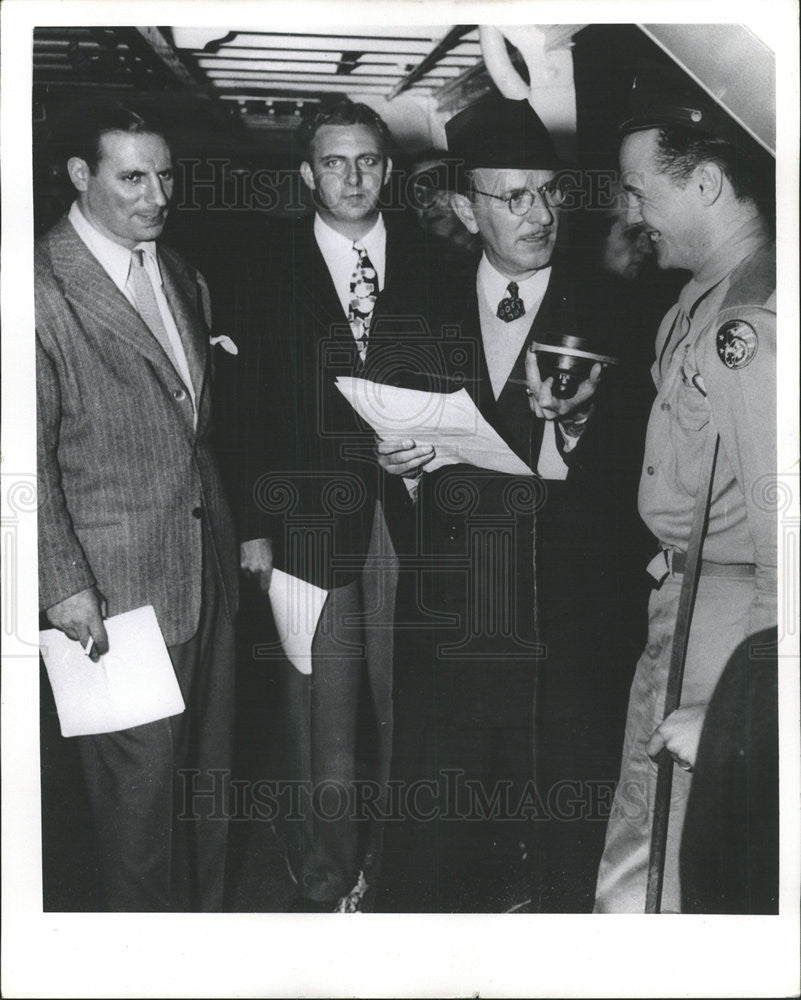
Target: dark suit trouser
{"type": "Point", "coordinates": [354, 634]}
{"type": "Point", "coordinates": [462, 753]}
{"type": "Point", "coordinates": [157, 845]}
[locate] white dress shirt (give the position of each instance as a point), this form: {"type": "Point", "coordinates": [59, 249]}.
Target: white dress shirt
{"type": "Point", "coordinates": [504, 341]}
{"type": "Point", "coordinates": [340, 257]}
{"type": "Point", "coordinates": [116, 262]}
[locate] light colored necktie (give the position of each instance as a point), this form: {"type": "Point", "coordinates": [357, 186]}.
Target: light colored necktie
{"type": "Point", "coordinates": [675, 338]}
{"type": "Point", "coordinates": [511, 307]}
{"type": "Point", "coordinates": [363, 293]}
{"type": "Point", "coordinates": [147, 307]}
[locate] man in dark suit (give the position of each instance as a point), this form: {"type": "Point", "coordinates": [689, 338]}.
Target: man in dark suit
{"type": "Point", "coordinates": [132, 510]}
{"type": "Point", "coordinates": [510, 569]}
{"type": "Point", "coordinates": [308, 505]}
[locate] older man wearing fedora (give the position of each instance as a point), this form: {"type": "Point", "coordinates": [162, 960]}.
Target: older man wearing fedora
{"type": "Point", "coordinates": [504, 601]}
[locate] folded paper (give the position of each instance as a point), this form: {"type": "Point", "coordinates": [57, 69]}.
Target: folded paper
{"type": "Point", "coordinates": [297, 606]}
{"type": "Point", "coordinates": [132, 684]}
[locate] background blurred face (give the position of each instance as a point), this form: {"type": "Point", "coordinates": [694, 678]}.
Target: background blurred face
{"type": "Point", "coordinates": [348, 168]}
{"type": "Point", "coordinates": [127, 197]}
{"type": "Point", "coordinates": [515, 245]}
{"type": "Point", "coordinates": [430, 204]}
{"type": "Point", "coordinates": [625, 249]}
{"type": "Point", "coordinates": [670, 213]}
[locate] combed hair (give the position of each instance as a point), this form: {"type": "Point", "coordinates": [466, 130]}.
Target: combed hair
{"type": "Point", "coordinates": [85, 125]}
{"type": "Point", "coordinates": [750, 170]}
{"type": "Point", "coordinates": [342, 112]}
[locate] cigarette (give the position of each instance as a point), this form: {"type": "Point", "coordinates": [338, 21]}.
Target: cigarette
{"type": "Point", "coordinates": [88, 647]}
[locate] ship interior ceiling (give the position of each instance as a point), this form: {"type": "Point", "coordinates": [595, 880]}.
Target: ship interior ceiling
{"type": "Point", "coordinates": [238, 95]}
{"type": "Point", "coordinates": [233, 99]}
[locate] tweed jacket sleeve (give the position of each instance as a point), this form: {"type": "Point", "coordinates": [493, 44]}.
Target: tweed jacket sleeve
{"type": "Point", "coordinates": [63, 567]}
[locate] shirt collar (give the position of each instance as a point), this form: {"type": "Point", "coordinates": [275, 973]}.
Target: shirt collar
{"type": "Point", "coordinates": [329, 239]}
{"type": "Point", "coordinates": [494, 285]}
{"type": "Point", "coordinates": [114, 258]}
{"type": "Point", "coordinates": [721, 261]}
{"type": "Point", "coordinates": [745, 240]}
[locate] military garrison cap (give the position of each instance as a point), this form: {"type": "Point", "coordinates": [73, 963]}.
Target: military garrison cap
{"type": "Point", "coordinates": [664, 96]}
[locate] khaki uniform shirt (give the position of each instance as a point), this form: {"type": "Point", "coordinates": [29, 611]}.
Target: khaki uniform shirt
{"type": "Point", "coordinates": [717, 374]}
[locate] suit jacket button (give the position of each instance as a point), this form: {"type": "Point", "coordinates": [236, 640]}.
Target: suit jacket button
{"type": "Point", "coordinates": [197, 512]}
{"type": "Point", "coordinates": [650, 470]}
{"type": "Point", "coordinates": [179, 394]}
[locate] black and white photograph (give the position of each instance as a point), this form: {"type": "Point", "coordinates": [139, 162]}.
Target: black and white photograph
{"type": "Point", "coordinates": [400, 499]}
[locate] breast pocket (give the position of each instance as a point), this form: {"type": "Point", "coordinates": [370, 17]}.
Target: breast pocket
{"type": "Point", "coordinates": [692, 408]}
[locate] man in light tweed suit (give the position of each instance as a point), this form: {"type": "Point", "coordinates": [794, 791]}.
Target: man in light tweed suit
{"type": "Point", "coordinates": [131, 508]}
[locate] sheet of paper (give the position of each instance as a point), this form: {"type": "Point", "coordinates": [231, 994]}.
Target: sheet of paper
{"type": "Point", "coordinates": [550, 464]}
{"type": "Point", "coordinates": [297, 606]}
{"type": "Point", "coordinates": [449, 421]}
{"type": "Point", "coordinates": [132, 684]}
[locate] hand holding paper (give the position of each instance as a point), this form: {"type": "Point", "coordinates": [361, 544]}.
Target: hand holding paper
{"type": "Point", "coordinates": [404, 458]}
{"type": "Point", "coordinates": [132, 684]}
{"type": "Point", "coordinates": [449, 422]}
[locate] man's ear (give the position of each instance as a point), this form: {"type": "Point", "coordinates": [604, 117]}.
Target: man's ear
{"type": "Point", "coordinates": [710, 179]}
{"type": "Point", "coordinates": [387, 170]}
{"type": "Point", "coordinates": [307, 174]}
{"type": "Point", "coordinates": [463, 207]}
{"type": "Point", "coordinates": [79, 172]}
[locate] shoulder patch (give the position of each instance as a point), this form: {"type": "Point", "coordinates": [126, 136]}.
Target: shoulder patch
{"type": "Point", "coordinates": [737, 343]}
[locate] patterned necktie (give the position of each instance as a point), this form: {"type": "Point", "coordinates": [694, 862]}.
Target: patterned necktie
{"type": "Point", "coordinates": [363, 293]}
{"type": "Point", "coordinates": [511, 306]}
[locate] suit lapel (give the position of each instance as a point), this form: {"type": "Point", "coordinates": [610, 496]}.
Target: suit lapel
{"type": "Point", "coordinates": [481, 388]}
{"type": "Point", "coordinates": [539, 325]}
{"type": "Point", "coordinates": [314, 287]}
{"type": "Point", "coordinates": [510, 413]}
{"type": "Point", "coordinates": [320, 300]}
{"type": "Point", "coordinates": [194, 337]}
{"type": "Point", "coordinates": [397, 257]}
{"type": "Point", "coordinates": [511, 403]}
{"type": "Point", "coordinates": [87, 286]}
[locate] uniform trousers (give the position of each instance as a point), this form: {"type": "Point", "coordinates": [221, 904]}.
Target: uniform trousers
{"type": "Point", "coordinates": [157, 791]}
{"type": "Point", "coordinates": [720, 622]}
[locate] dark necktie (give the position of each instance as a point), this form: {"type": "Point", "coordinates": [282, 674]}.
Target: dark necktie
{"type": "Point", "coordinates": [511, 306]}
{"type": "Point", "coordinates": [363, 293]}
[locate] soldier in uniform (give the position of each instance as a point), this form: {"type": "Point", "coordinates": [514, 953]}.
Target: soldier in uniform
{"type": "Point", "coordinates": [703, 195]}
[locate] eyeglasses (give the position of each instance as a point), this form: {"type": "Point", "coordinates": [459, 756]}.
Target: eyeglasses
{"type": "Point", "coordinates": [552, 195]}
